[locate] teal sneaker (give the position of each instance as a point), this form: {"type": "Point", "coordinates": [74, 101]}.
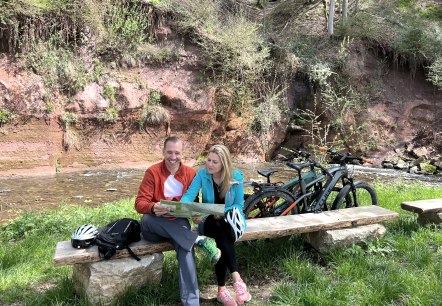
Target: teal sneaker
{"type": "Point", "coordinates": [209, 247]}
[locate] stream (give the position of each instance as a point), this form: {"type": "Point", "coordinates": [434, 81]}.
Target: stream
{"type": "Point", "coordinates": [94, 188]}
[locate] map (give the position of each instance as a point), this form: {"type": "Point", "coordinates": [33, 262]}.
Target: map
{"type": "Point", "coordinates": [192, 209]}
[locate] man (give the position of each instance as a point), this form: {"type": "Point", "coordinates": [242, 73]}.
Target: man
{"type": "Point", "coordinates": [169, 180]}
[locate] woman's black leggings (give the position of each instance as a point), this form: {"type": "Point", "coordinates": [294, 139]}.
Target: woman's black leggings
{"type": "Point", "coordinates": [219, 230]}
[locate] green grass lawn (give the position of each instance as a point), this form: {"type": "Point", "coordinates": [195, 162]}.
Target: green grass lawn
{"type": "Point", "coordinates": [403, 268]}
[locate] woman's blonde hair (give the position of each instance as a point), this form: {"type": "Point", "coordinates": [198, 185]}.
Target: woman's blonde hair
{"type": "Point", "coordinates": [226, 161]}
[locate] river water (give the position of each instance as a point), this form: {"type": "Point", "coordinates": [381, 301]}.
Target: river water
{"type": "Point", "coordinates": [94, 188]}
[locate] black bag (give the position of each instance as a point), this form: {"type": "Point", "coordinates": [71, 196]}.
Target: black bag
{"type": "Point", "coordinates": [117, 236]}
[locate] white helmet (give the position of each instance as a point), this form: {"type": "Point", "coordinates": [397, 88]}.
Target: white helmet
{"type": "Point", "coordinates": [84, 236]}
{"type": "Point", "coordinates": [236, 221]}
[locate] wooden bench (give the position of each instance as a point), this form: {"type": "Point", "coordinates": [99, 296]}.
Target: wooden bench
{"type": "Point", "coordinates": [429, 211]}
{"type": "Point", "coordinates": [85, 259]}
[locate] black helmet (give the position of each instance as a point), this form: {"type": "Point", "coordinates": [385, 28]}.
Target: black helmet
{"type": "Point", "coordinates": [84, 236]}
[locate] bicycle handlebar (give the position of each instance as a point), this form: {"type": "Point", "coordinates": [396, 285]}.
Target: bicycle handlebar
{"type": "Point", "coordinates": [312, 162]}
{"type": "Point", "coordinates": [344, 158]}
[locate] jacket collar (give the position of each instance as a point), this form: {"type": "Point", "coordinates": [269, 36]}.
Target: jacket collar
{"type": "Point", "coordinates": [166, 171]}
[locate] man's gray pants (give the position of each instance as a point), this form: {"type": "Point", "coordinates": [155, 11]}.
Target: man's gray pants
{"type": "Point", "coordinates": [157, 229]}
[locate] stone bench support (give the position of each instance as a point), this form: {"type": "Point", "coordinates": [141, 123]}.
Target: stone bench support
{"type": "Point", "coordinates": [104, 281]}
{"type": "Point", "coordinates": [325, 241]}
{"type": "Point", "coordinates": [428, 211]}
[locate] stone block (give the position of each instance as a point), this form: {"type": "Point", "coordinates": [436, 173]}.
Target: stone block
{"type": "Point", "coordinates": [429, 218]}
{"type": "Point", "coordinates": [324, 241]}
{"type": "Point", "coordinates": [104, 281]}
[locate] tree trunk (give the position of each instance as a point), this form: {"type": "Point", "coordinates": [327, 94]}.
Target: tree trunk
{"type": "Point", "coordinates": [331, 16]}
{"type": "Point", "coordinates": [344, 10]}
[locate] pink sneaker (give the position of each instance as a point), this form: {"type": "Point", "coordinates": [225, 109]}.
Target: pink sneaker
{"type": "Point", "coordinates": [225, 298]}
{"type": "Point", "coordinates": [242, 295]}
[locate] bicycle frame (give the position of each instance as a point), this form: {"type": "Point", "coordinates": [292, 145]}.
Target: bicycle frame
{"type": "Point", "coordinates": [309, 190]}
{"type": "Point", "coordinates": [315, 200]}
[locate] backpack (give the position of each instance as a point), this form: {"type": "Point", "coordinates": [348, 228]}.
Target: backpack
{"type": "Point", "coordinates": [118, 235]}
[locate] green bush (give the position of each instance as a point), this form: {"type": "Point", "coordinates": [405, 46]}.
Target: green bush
{"type": "Point", "coordinates": [109, 93]}
{"type": "Point", "coordinates": [154, 97]}
{"type": "Point", "coordinates": [154, 115]}
{"type": "Point", "coordinates": [68, 117]}
{"type": "Point", "coordinates": [58, 65]}
{"type": "Point", "coordinates": [5, 116]}
{"type": "Point", "coordinates": [435, 72]}
{"type": "Point", "coordinates": [233, 45]}
{"type": "Point", "coordinates": [110, 115]}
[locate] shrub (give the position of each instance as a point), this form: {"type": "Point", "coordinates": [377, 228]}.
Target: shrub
{"type": "Point", "coordinates": [69, 118]}
{"type": "Point", "coordinates": [58, 65]}
{"type": "Point", "coordinates": [435, 72]}
{"type": "Point", "coordinates": [127, 24]}
{"type": "Point", "coordinates": [5, 116]}
{"type": "Point", "coordinates": [109, 93]}
{"type": "Point", "coordinates": [48, 108]}
{"type": "Point", "coordinates": [154, 97]}
{"type": "Point", "coordinates": [233, 45]}
{"type": "Point", "coordinates": [154, 115]}
{"type": "Point", "coordinates": [110, 115]}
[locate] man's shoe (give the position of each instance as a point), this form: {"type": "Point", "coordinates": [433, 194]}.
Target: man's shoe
{"type": "Point", "coordinates": [225, 298]}
{"type": "Point", "coordinates": [242, 295]}
{"type": "Point", "coordinates": [209, 247]}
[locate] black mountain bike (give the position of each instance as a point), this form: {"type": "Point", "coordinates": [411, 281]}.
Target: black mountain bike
{"type": "Point", "coordinates": [315, 189]}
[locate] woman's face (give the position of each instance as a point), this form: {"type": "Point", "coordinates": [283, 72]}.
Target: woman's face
{"type": "Point", "coordinates": [213, 163]}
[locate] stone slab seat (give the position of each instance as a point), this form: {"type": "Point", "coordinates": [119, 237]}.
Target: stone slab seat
{"type": "Point", "coordinates": [103, 281]}
{"type": "Point", "coordinates": [429, 211]}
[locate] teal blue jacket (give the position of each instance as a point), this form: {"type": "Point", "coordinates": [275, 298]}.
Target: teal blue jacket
{"type": "Point", "coordinates": [203, 181]}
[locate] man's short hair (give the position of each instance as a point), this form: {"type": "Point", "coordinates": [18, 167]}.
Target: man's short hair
{"type": "Point", "coordinates": [173, 139]}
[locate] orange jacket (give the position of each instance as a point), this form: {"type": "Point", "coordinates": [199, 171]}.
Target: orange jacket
{"type": "Point", "coordinates": [151, 188]}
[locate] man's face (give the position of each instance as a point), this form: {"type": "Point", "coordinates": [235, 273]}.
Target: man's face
{"type": "Point", "coordinates": [172, 154]}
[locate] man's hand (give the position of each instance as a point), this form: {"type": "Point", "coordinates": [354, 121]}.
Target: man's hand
{"type": "Point", "coordinates": [159, 209]}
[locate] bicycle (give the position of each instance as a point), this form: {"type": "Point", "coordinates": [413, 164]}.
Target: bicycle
{"type": "Point", "coordinates": [309, 191]}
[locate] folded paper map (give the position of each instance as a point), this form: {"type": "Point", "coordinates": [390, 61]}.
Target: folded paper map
{"type": "Point", "coordinates": [192, 209]}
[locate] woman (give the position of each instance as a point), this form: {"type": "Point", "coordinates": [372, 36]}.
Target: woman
{"type": "Point", "coordinates": [221, 184]}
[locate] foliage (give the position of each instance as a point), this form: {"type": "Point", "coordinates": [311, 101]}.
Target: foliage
{"type": "Point", "coordinates": [68, 117]}
{"type": "Point", "coordinates": [304, 47]}
{"type": "Point", "coordinates": [5, 116]}
{"type": "Point", "coordinates": [407, 29]}
{"type": "Point", "coordinates": [268, 112]}
{"type": "Point", "coordinates": [435, 72]}
{"type": "Point", "coordinates": [233, 45]}
{"type": "Point", "coordinates": [58, 65]}
{"type": "Point", "coordinates": [48, 108]}
{"type": "Point", "coordinates": [127, 23]}
{"type": "Point", "coordinates": [155, 97]}
{"type": "Point", "coordinates": [109, 93]}
{"type": "Point", "coordinates": [109, 115]}
{"type": "Point", "coordinates": [153, 113]}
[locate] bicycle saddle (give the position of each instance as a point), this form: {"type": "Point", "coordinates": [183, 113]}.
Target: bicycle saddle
{"type": "Point", "coordinates": [266, 173]}
{"type": "Point", "coordinates": [298, 167]}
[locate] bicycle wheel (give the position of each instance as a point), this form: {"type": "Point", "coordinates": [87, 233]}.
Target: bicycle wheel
{"type": "Point", "coordinates": [270, 203]}
{"type": "Point", "coordinates": [365, 195]}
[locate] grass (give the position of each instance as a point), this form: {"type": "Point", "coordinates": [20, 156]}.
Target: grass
{"type": "Point", "coordinates": [403, 268]}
